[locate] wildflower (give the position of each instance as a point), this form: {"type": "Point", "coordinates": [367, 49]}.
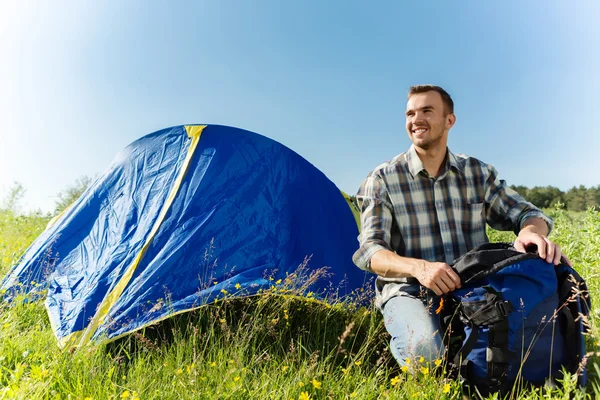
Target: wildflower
{"type": "Point", "coordinates": [213, 364]}
{"type": "Point", "coordinates": [284, 368]}
{"type": "Point", "coordinates": [395, 380]}
{"type": "Point", "coordinates": [203, 379]}
{"type": "Point", "coordinates": [238, 286]}
{"type": "Point", "coordinates": [316, 384]}
{"type": "Point", "coordinates": [125, 394]}
{"type": "Point", "coordinates": [310, 294]}
{"type": "Point", "coordinates": [446, 388]}
{"type": "Point", "coordinates": [344, 371]}
{"type": "Point", "coordinates": [404, 368]}
{"type": "Point", "coordinates": [179, 371]}
{"type": "Point", "coordinates": [271, 278]}
{"type": "Point", "coordinates": [353, 394]}
{"type": "Point", "coordinates": [215, 282]}
{"type": "Point", "coordinates": [301, 384]}
{"type": "Point", "coordinates": [438, 362]}
{"type": "Point", "coordinates": [188, 368]}
{"type": "Point", "coordinates": [421, 359]}
{"type": "Point", "coordinates": [407, 361]}
{"type": "Point", "coordinates": [357, 363]}
{"type": "Point", "coordinates": [223, 291]}
{"type": "Point", "coordinates": [33, 283]}
{"type": "Point", "coordinates": [424, 370]}
{"type": "Point", "coordinates": [304, 396]}
{"type": "Point", "coordinates": [88, 398]}
{"type": "Point", "coordinates": [135, 396]}
{"type": "Point", "coordinates": [237, 378]}
{"type": "Point", "coordinates": [278, 281]}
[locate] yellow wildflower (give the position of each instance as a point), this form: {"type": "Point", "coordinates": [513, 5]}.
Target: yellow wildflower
{"type": "Point", "coordinates": [407, 361]}
{"type": "Point", "coordinates": [301, 384]}
{"type": "Point", "coordinates": [395, 380]}
{"type": "Point", "coordinates": [237, 378]}
{"type": "Point", "coordinates": [357, 363]}
{"type": "Point", "coordinates": [304, 396]}
{"type": "Point", "coordinates": [213, 364]}
{"type": "Point", "coordinates": [203, 379]}
{"type": "Point", "coordinates": [404, 368]}
{"type": "Point", "coordinates": [278, 281]}
{"type": "Point", "coordinates": [88, 398]}
{"type": "Point", "coordinates": [179, 371]}
{"type": "Point", "coordinates": [421, 359]}
{"type": "Point", "coordinates": [316, 384]}
{"type": "Point", "coordinates": [271, 278]}
{"type": "Point", "coordinates": [223, 291]}
{"type": "Point", "coordinates": [310, 294]}
{"type": "Point", "coordinates": [238, 286]}
{"type": "Point", "coordinates": [353, 394]}
{"type": "Point", "coordinates": [284, 368]}
{"type": "Point", "coordinates": [446, 388]}
{"type": "Point", "coordinates": [438, 362]}
{"type": "Point", "coordinates": [125, 394]}
{"type": "Point", "coordinates": [425, 370]}
{"type": "Point", "coordinates": [222, 320]}
{"type": "Point", "coordinates": [344, 371]}
{"type": "Point", "coordinates": [215, 282]}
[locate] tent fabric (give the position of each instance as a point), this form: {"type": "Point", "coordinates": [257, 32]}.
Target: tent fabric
{"type": "Point", "coordinates": [181, 217]}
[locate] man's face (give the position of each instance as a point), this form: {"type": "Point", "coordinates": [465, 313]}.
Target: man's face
{"type": "Point", "coordinates": [426, 122]}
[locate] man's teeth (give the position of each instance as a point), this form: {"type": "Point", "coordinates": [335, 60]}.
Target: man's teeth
{"type": "Point", "coordinates": [421, 130]}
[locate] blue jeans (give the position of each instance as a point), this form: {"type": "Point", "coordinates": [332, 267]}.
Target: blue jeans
{"type": "Point", "coordinates": [411, 320]}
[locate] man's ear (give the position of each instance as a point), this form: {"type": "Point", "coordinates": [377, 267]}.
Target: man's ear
{"type": "Point", "coordinates": [450, 120]}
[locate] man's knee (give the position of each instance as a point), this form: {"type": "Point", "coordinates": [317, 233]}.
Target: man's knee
{"type": "Point", "coordinates": [430, 347]}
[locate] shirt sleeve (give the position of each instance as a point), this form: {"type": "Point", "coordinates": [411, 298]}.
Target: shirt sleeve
{"type": "Point", "coordinates": [376, 220]}
{"type": "Point", "coordinates": [505, 208]}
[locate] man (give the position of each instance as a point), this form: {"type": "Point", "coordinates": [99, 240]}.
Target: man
{"type": "Point", "coordinates": [425, 208]}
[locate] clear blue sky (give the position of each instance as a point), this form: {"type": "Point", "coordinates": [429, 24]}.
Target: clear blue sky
{"type": "Point", "coordinates": [79, 80]}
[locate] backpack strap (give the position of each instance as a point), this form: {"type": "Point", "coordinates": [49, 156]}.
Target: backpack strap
{"type": "Point", "coordinates": [488, 259]}
{"type": "Point", "coordinates": [492, 312]}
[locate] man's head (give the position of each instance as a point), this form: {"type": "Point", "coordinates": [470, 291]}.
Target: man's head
{"type": "Point", "coordinates": [429, 116]}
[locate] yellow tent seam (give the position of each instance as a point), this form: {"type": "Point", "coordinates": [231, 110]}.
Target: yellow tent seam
{"type": "Point", "coordinates": [194, 133]}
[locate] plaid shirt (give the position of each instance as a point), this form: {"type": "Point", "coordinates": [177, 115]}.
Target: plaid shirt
{"type": "Point", "coordinates": [405, 210]}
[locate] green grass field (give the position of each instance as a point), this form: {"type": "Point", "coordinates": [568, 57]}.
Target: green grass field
{"type": "Point", "coordinates": [273, 346]}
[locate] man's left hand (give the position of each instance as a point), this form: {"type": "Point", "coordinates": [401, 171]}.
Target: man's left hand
{"type": "Point", "coordinates": [547, 249]}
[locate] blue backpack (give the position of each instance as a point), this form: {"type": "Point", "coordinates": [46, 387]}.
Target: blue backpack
{"type": "Point", "coordinates": [516, 319]}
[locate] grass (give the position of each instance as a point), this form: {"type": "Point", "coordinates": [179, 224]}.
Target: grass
{"type": "Point", "coordinates": [271, 346]}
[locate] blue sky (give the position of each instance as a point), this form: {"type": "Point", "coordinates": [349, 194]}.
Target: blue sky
{"type": "Point", "coordinates": [81, 80]}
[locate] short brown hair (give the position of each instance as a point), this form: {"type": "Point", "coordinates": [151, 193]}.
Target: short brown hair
{"type": "Point", "coordinates": [446, 99]}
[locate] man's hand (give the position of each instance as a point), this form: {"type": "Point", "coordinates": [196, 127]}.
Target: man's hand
{"type": "Point", "coordinates": [437, 276]}
{"type": "Point", "coordinates": [547, 249]}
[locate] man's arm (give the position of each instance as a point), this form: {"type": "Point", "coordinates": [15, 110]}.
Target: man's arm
{"type": "Point", "coordinates": [375, 252]}
{"type": "Point", "coordinates": [509, 210]}
{"type": "Point", "coordinates": [534, 231]}
{"type": "Point", "coordinates": [437, 276]}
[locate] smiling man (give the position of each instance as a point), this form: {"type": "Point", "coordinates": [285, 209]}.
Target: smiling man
{"type": "Point", "coordinates": [425, 208]}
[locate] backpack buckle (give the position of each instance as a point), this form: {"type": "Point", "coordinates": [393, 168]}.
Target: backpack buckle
{"type": "Point", "coordinates": [503, 307]}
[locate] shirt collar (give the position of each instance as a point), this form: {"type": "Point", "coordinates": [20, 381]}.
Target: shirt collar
{"type": "Point", "coordinates": [415, 165]}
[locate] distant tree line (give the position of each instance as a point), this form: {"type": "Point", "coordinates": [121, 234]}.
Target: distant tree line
{"type": "Point", "coordinates": [578, 198]}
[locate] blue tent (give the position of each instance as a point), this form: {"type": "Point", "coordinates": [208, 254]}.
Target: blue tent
{"type": "Point", "coordinates": [182, 217]}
